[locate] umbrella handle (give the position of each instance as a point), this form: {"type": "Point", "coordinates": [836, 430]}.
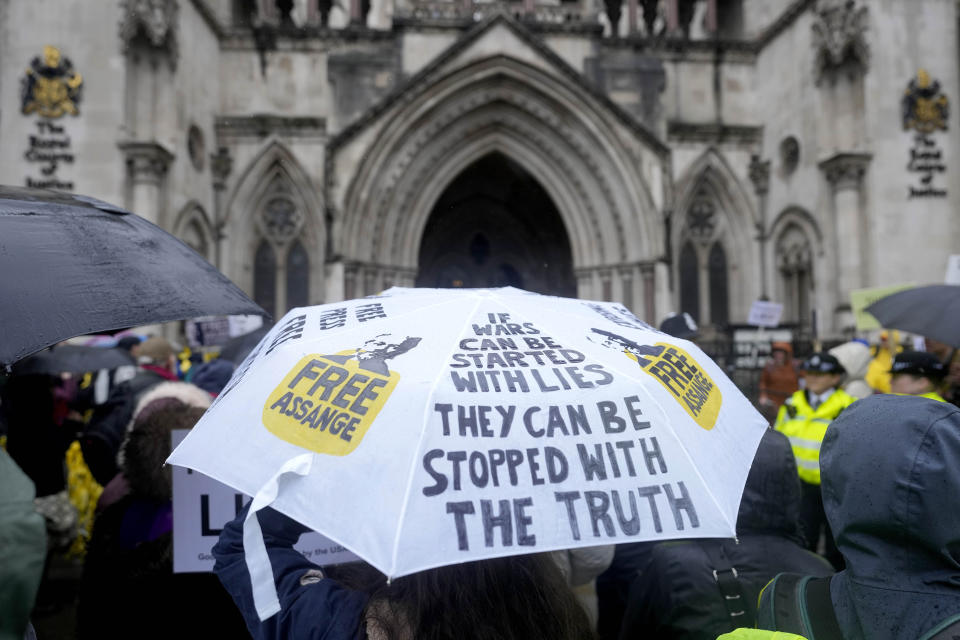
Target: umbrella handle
{"type": "Point", "coordinates": [265, 598]}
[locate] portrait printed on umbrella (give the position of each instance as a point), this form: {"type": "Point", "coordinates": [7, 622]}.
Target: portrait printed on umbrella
{"type": "Point", "coordinates": [327, 403]}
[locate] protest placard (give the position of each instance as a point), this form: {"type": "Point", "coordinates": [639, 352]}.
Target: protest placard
{"type": "Point", "coordinates": [764, 313]}
{"type": "Point", "coordinates": [201, 506]}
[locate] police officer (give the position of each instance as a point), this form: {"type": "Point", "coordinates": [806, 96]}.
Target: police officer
{"type": "Point", "coordinates": [804, 419]}
{"type": "Point", "coordinates": [917, 373]}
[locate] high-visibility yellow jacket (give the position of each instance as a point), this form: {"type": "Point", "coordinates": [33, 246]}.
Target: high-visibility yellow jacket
{"type": "Point", "coordinates": [805, 428]}
{"type": "Point", "coordinates": [933, 395]}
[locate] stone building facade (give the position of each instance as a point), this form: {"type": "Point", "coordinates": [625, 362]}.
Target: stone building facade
{"type": "Point", "coordinates": [667, 154]}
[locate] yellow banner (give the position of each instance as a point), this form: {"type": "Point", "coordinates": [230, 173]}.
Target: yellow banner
{"type": "Point", "coordinates": [327, 403]}
{"type": "Point", "coordinates": [689, 384]}
{"type": "Point", "coordinates": [860, 299]}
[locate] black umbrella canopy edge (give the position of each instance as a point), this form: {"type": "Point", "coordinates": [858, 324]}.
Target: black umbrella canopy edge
{"type": "Point", "coordinates": [916, 310]}
{"type": "Point", "coordinates": [159, 249]}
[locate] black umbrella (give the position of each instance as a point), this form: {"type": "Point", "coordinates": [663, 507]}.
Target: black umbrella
{"type": "Point", "coordinates": [237, 348]}
{"type": "Point", "coordinates": [932, 312]}
{"type": "Point", "coordinates": [71, 265]}
{"type": "Point", "coordinates": [71, 358]}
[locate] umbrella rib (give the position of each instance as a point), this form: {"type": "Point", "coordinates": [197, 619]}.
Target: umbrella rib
{"type": "Point", "coordinates": [653, 401]}
{"type": "Point", "coordinates": [423, 434]}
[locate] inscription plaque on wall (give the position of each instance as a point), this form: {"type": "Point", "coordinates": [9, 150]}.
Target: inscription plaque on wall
{"type": "Point", "coordinates": [51, 89]}
{"type": "Point", "coordinates": [925, 110]}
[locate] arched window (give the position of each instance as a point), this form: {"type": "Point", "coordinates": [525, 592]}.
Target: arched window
{"type": "Point", "coordinates": [717, 277]}
{"type": "Point", "coordinates": [689, 281]}
{"type": "Point", "coordinates": [298, 276]}
{"type": "Point", "coordinates": [795, 263]}
{"type": "Point", "coordinates": [265, 278]}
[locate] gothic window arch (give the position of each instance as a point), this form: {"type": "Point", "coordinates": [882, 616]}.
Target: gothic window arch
{"type": "Point", "coordinates": [193, 227]}
{"type": "Point", "coordinates": [690, 281]}
{"type": "Point", "coordinates": [703, 266]}
{"type": "Point", "coordinates": [794, 253]}
{"type": "Point", "coordinates": [717, 278]}
{"type": "Point", "coordinates": [281, 273]}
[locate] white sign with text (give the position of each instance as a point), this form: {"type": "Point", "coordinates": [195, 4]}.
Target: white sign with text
{"type": "Point", "coordinates": [765, 314]}
{"type": "Point", "coordinates": [202, 506]}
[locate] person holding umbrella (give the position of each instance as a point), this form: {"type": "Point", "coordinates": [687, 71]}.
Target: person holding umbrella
{"type": "Point", "coordinates": [513, 598]}
{"type": "Point", "coordinates": [804, 419]}
{"type": "Point", "coordinates": [917, 373]}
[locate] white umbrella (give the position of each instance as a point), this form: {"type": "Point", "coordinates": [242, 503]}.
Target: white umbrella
{"type": "Point", "coordinates": [427, 427]}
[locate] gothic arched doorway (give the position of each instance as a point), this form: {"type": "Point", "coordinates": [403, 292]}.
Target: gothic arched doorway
{"type": "Point", "coordinates": [495, 226]}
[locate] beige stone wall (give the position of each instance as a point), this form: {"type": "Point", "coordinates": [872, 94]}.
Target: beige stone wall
{"type": "Point", "coordinates": [24, 30]}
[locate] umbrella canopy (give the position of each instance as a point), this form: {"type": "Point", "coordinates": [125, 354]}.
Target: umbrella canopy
{"type": "Point", "coordinates": [71, 265]}
{"type": "Point", "coordinates": [237, 348]}
{"type": "Point", "coordinates": [429, 427]}
{"type": "Point", "coordinates": [930, 311]}
{"type": "Point", "coordinates": [71, 358]}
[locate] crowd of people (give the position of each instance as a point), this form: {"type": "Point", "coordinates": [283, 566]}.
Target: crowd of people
{"type": "Point", "coordinates": [848, 526]}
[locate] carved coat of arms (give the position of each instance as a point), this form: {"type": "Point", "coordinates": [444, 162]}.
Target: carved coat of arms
{"type": "Point", "coordinates": [51, 86]}
{"type": "Point", "coordinates": [924, 107]}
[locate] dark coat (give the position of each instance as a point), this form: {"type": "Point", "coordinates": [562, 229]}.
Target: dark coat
{"type": "Point", "coordinates": [891, 492]}
{"type": "Point", "coordinates": [677, 596]}
{"type": "Point", "coordinates": [310, 606]}
{"type": "Point", "coordinates": [128, 588]}
{"type": "Point", "coordinates": [103, 436]}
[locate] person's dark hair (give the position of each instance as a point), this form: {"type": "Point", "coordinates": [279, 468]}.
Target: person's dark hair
{"type": "Point", "coordinates": [514, 598]}
{"type": "Point", "coordinates": [148, 446]}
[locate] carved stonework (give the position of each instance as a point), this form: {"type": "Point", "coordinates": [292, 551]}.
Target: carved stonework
{"type": "Point", "coordinates": [147, 162]}
{"type": "Point", "coordinates": [845, 170]}
{"type": "Point", "coordinates": [839, 36]}
{"type": "Point", "coordinates": [221, 164]}
{"type": "Point", "coordinates": [153, 20]}
{"type": "Point", "coordinates": [760, 175]}
{"type": "Point", "coordinates": [701, 218]}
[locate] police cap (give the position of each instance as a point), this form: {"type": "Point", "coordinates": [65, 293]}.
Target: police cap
{"type": "Point", "coordinates": [823, 362]}
{"type": "Point", "coordinates": [918, 363]}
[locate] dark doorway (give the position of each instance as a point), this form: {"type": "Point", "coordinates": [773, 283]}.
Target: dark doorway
{"type": "Point", "coordinates": [495, 226]}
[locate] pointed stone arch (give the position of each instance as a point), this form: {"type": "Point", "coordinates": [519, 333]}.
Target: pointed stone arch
{"type": "Point", "coordinates": [192, 225]}
{"type": "Point", "coordinates": [713, 207]}
{"type": "Point", "coordinates": [553, 128]}
{"type": "Point", "coordinates": [275, 183]}
{"type": "Point", "coordinates": [799, 264]}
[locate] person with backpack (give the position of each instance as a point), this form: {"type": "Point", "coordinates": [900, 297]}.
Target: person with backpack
{"type": "Point", "coordinates": [697, 589]}
{"type": "Point", "coordinates": [891, 490]}
{"type": "Point", "coordinates": [804, 419]}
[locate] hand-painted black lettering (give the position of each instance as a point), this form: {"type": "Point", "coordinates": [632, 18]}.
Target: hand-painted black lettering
{"type": "Point", "coordinates": [523, 521]}
{"type": "Point", "coordinates": [503, 520]}
{"type": "Point", "coordinates": [460, 510]}
{"type": "Point", "coordinates": [568, 498]}
{"type": "Point", "coordinates": [651, 454]}
{"type": "Point", "coordinates": [598, 504]}
{"type": "Point", "coordinates": [681, 505]}
{"type": "Point", "coordinates": [439, 480]}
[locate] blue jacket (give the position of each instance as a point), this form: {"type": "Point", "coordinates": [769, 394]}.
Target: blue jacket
{"type": "Point", "coordinates": [311, 606]}
{"type": "Point", "coordinates": [891, 491]}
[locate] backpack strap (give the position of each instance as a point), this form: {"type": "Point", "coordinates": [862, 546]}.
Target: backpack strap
{"type": "Point", "coordinates": [741, 612]}
{"type": "Point", "coordinates": [801, 605]}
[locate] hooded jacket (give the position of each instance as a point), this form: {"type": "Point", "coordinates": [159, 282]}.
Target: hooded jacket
{"type": "Point", "coordinates": [891, 492]}
{"type": "Point", "coordinates": [677, 596]}
{"type": "Point", "coordinates": [855, 357]}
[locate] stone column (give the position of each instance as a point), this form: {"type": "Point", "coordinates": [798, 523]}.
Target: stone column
{"type": "Point", "coordinates": [147, 164]}
{"type": "Point", "coordinates": [221, 164]}
{"type": "Point", "coordinates": [760, 177]}
{"type": "Point", "coordinates": [584, 284]}
{"type": "Point", "coordinates": [649, 294]}
{"type": "Point", "coordinates": [844, 173]}
{"type": "Point", "coordinates": [626, 287]}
